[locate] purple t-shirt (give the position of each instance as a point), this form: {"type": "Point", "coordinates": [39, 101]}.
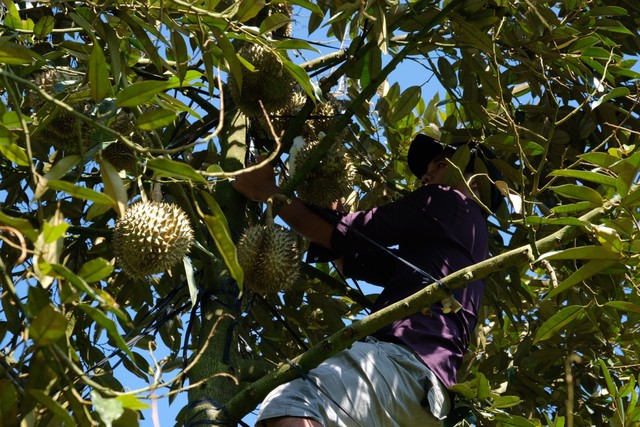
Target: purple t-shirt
{"type": "Point", "coordinates": [438, 230]}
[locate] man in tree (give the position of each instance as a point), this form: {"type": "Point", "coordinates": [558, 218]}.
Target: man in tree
{"type": "Point", "coordinates": [400, 375]}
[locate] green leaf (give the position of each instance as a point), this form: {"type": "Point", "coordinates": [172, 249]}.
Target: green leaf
{"type": "Point", "coordinates": [156, 118]}
{"type": "Point", "coordinates": [95, 270]}
{"type": "Point", "coordinates": [614, 93]}
{"type": "Point", "coordinates": [624, 306]}
{"type": "Point", "coordinates": [109, 409]}
{"type": "Point", "coordinates": [613, 390]}
{"type": "Point", "coordinates": [22, 225]}
{"type": "Point", "coordinates": [99, 84]}
{"type": "Point", "coordinates": [12, 151]}
{"type": "Point", "coordinates": [8, 400]}
{"type": "Point", "coordinates": [109, 325]}
{"type": "Point", "coordinates": [589, 269]}
{"type": "Point", "coordinates": [191, 280]}
{"type": "Point", "coordinates": [180, 53]}
{"type": "Point", "coordinates": [502, 402]}
{"type": "Point", "coordinates": [464, 390]}
{"type": "Point", "coordinates": [113, 186]}
{"type": "Point", "coordinates": [598, 178]}
{"type": "Point", "coordinates": [132, 402]}
{"type": "Point", "coordinates": [315, 10]}
{"type": "Point", "coordinates": [557, 322]}
{"type": "Point", "coordinates": [513, 420]}
{"type": "Point", "coordinates": [293, 44]}
{"type": "Point", "coordinates": [58, 171]}
{"type": "Point", "coordinates": [13, 54]}
{"type": "Point", "coordinates": [44, 26]}
{"type": "Point", "coordinates": [222, 237]}
{"type": "Point", "coordinates": [12, 17]}
{"type": "Point", "coordinates": [173, 169]}
{"type": "Point", "coordinates": [579, 192]}
{"type": "Point", "coordinates": [405, 104]}
{"type": "Point", "coordinates": [140, 92]}
{"type": "Point", "coordinates": [273, 22]}
{"type": "Point", "coordinates": [55, 407]}
{"type": "Point", "coordinates": [483, 386]}
{"type": "Point", "coordinates": [447, 72]}
{"type": "Point", "coordinates": [301, 77]}
{"type": "Point", "coordinates": [583, 252]}
{"type": "Point", "coordinates": [571, 208]}
{"type": "Point", "coordinates": [80, 192]}
{"type": "Point", "coordinates": [78, 282]}
{"type": "Point", "coordinates": [51, 232]}
{"type": "Point", "coordinates": [48, 326]}
{"type": "Point", "coordinates": [249, 9]}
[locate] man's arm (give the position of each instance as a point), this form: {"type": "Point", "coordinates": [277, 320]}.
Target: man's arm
{"type": "Point", "coordinates": [260, 184]}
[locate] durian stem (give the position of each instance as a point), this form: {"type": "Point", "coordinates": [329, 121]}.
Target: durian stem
{"type": "Point", "coordinates": [274, 198]}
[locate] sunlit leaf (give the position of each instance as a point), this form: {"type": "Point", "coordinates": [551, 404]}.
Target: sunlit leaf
{"type": "Point", "coordinates": [156, 118]}
{"type": "Point", "coordinates": [9, 149]}
{"type": "Point", "coordinates": [95, 270]}
{"type": "Point", "coordinates": [140, 92]}
{"type": "Point", "coordinates": [557, 322]}
{"type": "Point", "coordinates": [590, 269]}
{"type": "Point", "coordinates": [58, 171]}
{"type": "Point", "coordinates": [191, 281]}
{"type": "Point", "coordinates": [222, 237]}
{"type": "Point", "coordinates": [78, 282]}
{"type": "Point", "coordinates": [44, 26]}
{"type": "Point", "coordinates": [173, 169]}
{"type": "Point", "coordinates": [114, 186]}
{"type": "Point", "coordinates": [580, 175]}
{"type": "Point", "coordinates": [80, 192]}
{"type": "Point", "coordinates": [582, 252]}
{"type": "Point", "coordinates": [579, 192]}
{"type": "Point", "coordinates": [109, 409]}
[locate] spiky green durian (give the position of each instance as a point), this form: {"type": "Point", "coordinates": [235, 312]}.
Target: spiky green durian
{"type": "Point", "coordinates": [120, 156]}
{"type": "Point", "coordinates": [329, 180]}
{"type": "Point", "coordinates": [67, 132]}
{"type": "Point", "coordinates": [151, 237]}
{"type": "Point", "coordinates": [270, 258]}
{"type": "Point", "coordinates": [270, 82]}
{"type": "Point", "coordinates": [322, 119]}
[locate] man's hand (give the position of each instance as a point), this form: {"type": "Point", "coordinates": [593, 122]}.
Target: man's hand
{"type": "Point", "coordinates": [257, 184]}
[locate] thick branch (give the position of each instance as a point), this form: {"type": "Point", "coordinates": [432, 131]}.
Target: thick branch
{"type": "Point", "coordinates": [248, 398]}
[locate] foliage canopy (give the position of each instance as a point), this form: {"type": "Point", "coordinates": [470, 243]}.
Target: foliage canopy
{"type": "Point", "coordinates": [110, 102]}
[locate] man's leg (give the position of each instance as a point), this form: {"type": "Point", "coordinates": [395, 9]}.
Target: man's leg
{"type": "Point", "coordinates": [291, 422]}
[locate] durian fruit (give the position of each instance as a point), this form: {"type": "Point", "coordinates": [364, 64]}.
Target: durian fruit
{"type": "Point", "coordinates": [269, 82]}
{"type": "Point", "coordinates": [281, 119]}
{"type": "Point", "coordinates": [269, 256]}
{"type": "Point", "coordinates": [119, 154]}
{"type": "Point", "coordinates": [323, 117]}
{"type": "Point", "coordinates": [67, 132]}
{"type": "Point", "coordinates": [329, 180]}
{"type": "Point", "coordinates": [151, 237]}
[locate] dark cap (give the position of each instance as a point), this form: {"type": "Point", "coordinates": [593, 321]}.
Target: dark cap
{"type": "Point", "coordinates": [424, 149]}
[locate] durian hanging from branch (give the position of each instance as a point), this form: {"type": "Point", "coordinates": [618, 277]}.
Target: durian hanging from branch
{"type": "Point", "coordinates": [329, 180]}
{"type": "Point", "coordinates": [151, 237]}
{"type": "Point", "coordinates": [268, 82]}
{"type": "Point", "coordinates": [269, 256]}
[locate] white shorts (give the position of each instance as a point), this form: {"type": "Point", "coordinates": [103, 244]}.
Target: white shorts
{"type": "Point", "coordinates": [371, 384]}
